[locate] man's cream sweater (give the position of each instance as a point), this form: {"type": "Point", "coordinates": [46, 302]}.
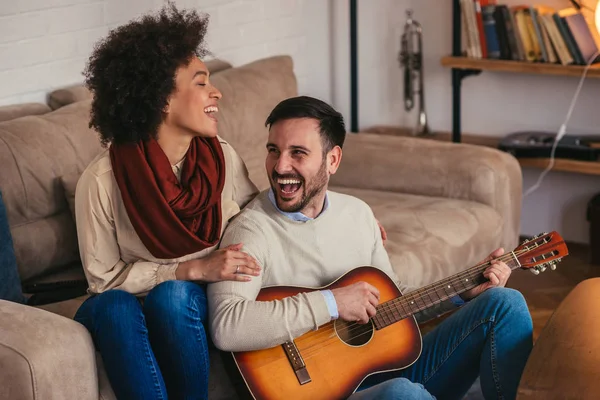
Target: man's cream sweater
{"type": "Point", "coordinates": [291, 253]}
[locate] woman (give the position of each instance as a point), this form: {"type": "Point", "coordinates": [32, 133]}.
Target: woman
{"type": "Point", "coordinates": [152, 207]}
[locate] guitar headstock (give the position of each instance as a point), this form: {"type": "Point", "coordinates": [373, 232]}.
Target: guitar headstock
{"type": "Point", "coordinates": [541, 251]}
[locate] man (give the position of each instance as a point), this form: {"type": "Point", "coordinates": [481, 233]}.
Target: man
{"type": "Point", "coordinates": [303, 235]}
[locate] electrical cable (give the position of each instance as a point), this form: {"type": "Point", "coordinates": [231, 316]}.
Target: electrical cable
{"type": "Point", "coordinates": [563, 128]}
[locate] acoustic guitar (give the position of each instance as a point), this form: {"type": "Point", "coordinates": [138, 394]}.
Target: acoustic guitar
{"type": "Point", "coordinates": [331, 362]}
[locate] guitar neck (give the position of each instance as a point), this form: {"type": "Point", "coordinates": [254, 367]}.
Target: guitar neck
{"type": "Point", "coordinates": [402, 307]}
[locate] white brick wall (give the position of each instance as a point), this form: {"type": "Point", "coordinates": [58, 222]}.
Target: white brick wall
{"type": "Point", "coordinates": [44, 44]}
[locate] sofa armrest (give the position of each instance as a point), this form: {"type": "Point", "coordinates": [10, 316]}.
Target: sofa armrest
{"type": "Point", "coordinates": [433, 168]}
{"type": "Point", "coordinates": [44, 356]}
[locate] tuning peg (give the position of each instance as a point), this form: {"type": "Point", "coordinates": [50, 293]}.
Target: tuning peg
{"type": "Point", "coordinates": [553, 266]}
{"type": "Point", "coordinates": [534, 271]}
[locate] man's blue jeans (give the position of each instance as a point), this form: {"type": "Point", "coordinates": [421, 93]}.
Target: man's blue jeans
{"type": "Point", "coordinates": [491, 336]}
{"type": "Point", "coordinates": [155, 349]}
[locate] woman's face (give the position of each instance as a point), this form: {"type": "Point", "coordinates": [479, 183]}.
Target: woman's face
{"type": "Point", "coordinates": [193, 106]}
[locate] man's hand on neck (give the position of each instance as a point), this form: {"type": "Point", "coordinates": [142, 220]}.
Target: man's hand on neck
{"type": "Point", "coordinates": [174, 143]}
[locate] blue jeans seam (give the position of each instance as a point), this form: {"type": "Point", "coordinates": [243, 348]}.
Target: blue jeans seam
{"type": "Point", "coordinates": [199, 335]}
{"type": "Point", "coordinates": [458, 342]}
{"type": "Point", "coordinates": [493, 359]}
{"type": "Point", "coordinates": [152, 367]}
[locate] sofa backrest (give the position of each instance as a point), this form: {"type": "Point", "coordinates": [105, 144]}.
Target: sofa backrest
{"type": "Point", "coordinates": [21, 110]}
{"type": "Point", "coordinates": [35, 151]}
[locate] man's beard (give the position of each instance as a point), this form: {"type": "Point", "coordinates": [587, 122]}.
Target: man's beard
{"type": "Point", "coordinates": [309, 189]}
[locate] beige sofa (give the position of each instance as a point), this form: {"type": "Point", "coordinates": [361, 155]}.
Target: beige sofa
{"type": "Point", "coordinates": [445, 206]}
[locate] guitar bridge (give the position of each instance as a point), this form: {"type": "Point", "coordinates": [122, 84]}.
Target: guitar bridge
{"type": "Point", "coordinates": [295, 359]}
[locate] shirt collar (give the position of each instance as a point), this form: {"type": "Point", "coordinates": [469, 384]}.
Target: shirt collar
{"type": "Point", "coordinates": [297, 216]}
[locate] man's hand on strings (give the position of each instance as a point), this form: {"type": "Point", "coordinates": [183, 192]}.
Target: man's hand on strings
{"type": "Point", "coordinates": [357, 302]}
{"type": "Point", "coordinates": [497, 275]}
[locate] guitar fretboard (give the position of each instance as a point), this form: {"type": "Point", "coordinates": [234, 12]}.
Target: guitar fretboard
{"type": "Point", "coordinates": [401, 307]}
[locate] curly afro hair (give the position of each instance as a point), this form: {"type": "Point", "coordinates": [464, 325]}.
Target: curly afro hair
{"type": "Point", "coordinates": [131, 72]}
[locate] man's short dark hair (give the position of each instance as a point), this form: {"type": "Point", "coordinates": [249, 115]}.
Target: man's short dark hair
{"type": "Point", "coordinates": [331, 122]}
{"type": "Point", "coordinates": [131, 72]}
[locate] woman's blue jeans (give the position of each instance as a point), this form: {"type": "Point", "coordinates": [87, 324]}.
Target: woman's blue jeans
{"type": "Point", "coordinates": [157, 350]}
{"type": "Point", "coordinates": [490, 337]}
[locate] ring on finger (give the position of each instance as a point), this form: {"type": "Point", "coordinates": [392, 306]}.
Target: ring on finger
{"type": "Point", "coordinates": [237, 269]}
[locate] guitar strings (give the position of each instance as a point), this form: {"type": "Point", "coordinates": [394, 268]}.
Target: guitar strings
{"type": "Point", "coordinates": [389, 305]}
{"type": "Point", "coordinates": [413, 296]}
{"type": "Point", "coordinates": [332, 337]}
{"type": "Point", "coordinates": [470, 272]}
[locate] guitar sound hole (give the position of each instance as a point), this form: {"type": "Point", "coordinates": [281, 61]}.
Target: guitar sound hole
{"type": "Point", "coordinates": [352, 333]}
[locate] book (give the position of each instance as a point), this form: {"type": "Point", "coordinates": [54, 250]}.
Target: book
{"type": "Point", "coordinates": [469, 23]}
{"type": "Point", "coordinates": [489, 28]}
{"type": "Point", "coordinates": [569, 40]}
{"type": "Point", "coordinates": [541, 50]}
{"type": "Point", "coordinates": [506, 52]}
{"type": "Point", "coordinates": [582, 36]}
{"type": "Point", "coordinates": [550, 50]}
{"type": "Point", "coordinates": [524, 30]}
{"type": "Point", "coordinates": [480, 29]}
{"type": "Point", "coordinates": [517, 36]}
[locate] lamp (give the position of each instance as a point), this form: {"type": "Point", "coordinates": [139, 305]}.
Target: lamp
{"type": "Point", "coordinates": [597, 17]}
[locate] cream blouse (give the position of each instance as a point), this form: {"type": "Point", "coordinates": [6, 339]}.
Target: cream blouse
{"type": "Point", "coordinates": [112, 253]}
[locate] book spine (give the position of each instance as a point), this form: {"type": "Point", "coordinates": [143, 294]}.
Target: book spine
{"type": "Point", "coordinates": [479, 19]}
{"type": "Point", "coordinates": [505, 51]}
{"type": "Point", "coordinates": [510, 33]}
{"type": "Point", "coordinates": [517, 35]}
{"type": "Point", "coordinates": [538, 34]}
{"type": "Point", "coordinates": [489, 28]}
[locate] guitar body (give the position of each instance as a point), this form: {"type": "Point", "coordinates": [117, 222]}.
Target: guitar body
{"type": "Point", "coordinates": [336, 359]}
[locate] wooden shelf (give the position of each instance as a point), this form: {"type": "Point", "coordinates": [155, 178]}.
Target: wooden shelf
{"type": "Point", "coordinates": [560, 164]}
{"type": "Point", "coordinates": [520, 67]}
{"type": "Point", "coordinates": [563, 164]}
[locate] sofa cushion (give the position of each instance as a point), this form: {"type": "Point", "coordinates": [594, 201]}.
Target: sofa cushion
{"type": "Point", "coordinates": [10, 284]}
{"type": "Point", "coordinates": [68, 95]}
{"type": "Point", "coordinates": [250, 92]}
{"type": "Point", "coordinates": [21, 110]}
{"type": "Point", "coordinates": [35, 151]}
{"type": "Point", "coordinates": [69, 185]}
{"type": "Point", "coordinates": [74, 93]}
{"type": "Point", "coordinates": [430, 238]}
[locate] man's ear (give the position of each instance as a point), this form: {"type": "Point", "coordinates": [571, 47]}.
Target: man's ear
{"type": "Point", "coordinates": [334, 157]}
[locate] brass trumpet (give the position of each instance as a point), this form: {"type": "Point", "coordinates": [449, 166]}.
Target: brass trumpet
{"type": "Point", "coordinates": [411, 59]}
